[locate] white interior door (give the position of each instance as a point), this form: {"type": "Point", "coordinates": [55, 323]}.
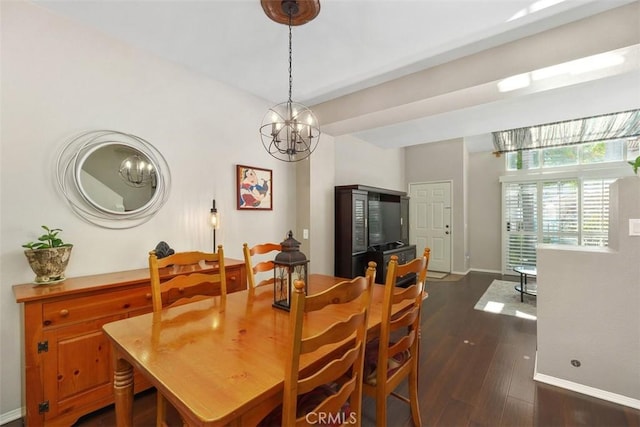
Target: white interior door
{"type": "Point", "coordinates": [430, 222]}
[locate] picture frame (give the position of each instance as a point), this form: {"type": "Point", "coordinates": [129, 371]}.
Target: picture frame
{"type": "Point", "coordinates": [254, 187]}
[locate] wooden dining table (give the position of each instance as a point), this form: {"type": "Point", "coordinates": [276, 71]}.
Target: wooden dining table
{"type": "Point", "coordinates": [218, 362]}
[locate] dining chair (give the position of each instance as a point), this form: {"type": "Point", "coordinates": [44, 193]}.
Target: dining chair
{"type": "Point", "coordinates": [261, 265]}
{"type": "Point", "coordinates": [331, 392]}
{"type": "Point", "coordinates": [397, 346]}
{"type": "Point", "coordinates": [191, 284]}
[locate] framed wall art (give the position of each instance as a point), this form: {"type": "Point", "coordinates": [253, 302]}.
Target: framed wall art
{"type": "Point", "coordinates": [255, 188]}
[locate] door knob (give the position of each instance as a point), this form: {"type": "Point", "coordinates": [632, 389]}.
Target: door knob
{"type": "Point", "coordinates": [446, 232]}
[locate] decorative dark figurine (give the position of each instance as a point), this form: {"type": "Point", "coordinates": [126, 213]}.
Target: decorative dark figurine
{"type": "Point", "coordinates": [163, 250]}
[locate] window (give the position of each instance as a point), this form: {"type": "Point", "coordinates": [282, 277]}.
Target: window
{"type": "Point", "coordinates": [573, 155]}
{"type": "Point", "coordinates": [563, 211]}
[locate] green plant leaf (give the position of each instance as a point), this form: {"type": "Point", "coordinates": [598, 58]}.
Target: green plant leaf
{"type": "Point", "coordinates": [48, 240]}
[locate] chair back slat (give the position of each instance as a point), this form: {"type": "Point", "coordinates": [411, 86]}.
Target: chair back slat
{"type": "Point", "coordinates": [340, 293]}
{"type": "Point", "coordinates": [333, 369]}
{"type": "Point", "coordinates": [337, 332]}
{"type": "Point", "coordinates": [255, 266]}
{"type": "Point", "coordinates": [333, 404]}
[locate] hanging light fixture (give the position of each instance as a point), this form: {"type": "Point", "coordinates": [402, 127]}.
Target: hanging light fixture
{"type": "Point", "coordinates": [137, 171]}
{"type": "Point", "coordinates": [290, 131]}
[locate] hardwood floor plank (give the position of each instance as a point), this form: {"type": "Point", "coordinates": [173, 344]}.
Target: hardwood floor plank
{"type": "Point", "coordinates": [491, 398]}
{"type": "Point", "coordinates": [522, 385]}
{"type": "Point", "coordinates": [455, 413]}
{"type": "Point", "coordinates": [517, 413]}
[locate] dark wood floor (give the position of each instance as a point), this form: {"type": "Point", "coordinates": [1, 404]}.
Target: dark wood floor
{"type": "Point", "coordinates": [476, 371]}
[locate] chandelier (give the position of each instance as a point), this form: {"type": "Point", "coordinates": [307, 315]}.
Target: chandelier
{"type": "Point", "coordinates": [289, 130]}
{"type": "Point", "coordinates": [137, 172]}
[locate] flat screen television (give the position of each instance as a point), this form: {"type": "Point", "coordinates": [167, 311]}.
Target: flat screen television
{"type": "Point", "coordinates": [384, 222]}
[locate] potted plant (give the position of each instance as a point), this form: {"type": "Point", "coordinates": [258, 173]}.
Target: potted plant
{"type": "Point", "coordinates": [635, 165]}
{"type": "Point", "coordinates": [49, 256]}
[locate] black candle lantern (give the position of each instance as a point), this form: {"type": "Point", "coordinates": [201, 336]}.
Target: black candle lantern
{"type": "Point", "coordinates": [289, 265]}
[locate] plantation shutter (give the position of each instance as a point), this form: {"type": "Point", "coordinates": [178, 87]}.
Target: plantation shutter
{"type": "Point", "coordinates": [521, 223]}
{"type": "Point", "coordinates": [560, 212]}
{"type": "Point", "coordinates": [595, 212]}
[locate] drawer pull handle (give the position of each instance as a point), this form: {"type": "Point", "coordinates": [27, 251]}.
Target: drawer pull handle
{"type": "Point", "coordinates": [64, 312]}
{"type": "Point", "coordinates": [233, 278]}
{"type": "Point", "coordinates": [148, 296]}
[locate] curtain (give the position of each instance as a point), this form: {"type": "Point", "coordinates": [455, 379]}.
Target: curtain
{"type": "Point", "coordinates": [591, 129]}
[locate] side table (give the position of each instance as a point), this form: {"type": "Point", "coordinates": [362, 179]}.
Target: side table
{"type": "Point", "coordinates": [524, 288]}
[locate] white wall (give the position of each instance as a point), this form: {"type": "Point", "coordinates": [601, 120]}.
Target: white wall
{"type": "Point", "coordinates": [357, 162]}
{"type": "Point", "coordinates": [60, 78]}
{"type": "Point", "coordinates": [485, 245]}
{"type": "Point", "coordinates": [588, 308]}
{"type": "Point", "coordinates": [321, 206]}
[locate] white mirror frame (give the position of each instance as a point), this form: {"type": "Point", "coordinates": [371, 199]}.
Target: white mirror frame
{"type": "Point", "coordinates": [69, 165]}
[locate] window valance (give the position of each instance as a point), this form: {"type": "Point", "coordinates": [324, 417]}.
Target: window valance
{"type": "Point", "coordinates": [624, 124]}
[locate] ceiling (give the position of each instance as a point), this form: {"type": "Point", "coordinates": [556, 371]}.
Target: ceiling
{"type": "Point", "coordinates": [416, 59]}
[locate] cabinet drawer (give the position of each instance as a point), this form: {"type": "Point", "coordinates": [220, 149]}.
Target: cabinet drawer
{"type": "Point", "coordinates": [234, 279]}
{"type": "Point", "coordinates": [94, 306]}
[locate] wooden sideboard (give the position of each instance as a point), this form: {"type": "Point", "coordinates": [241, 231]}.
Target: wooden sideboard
{"type": "Point", "coordinates": [67, 358]}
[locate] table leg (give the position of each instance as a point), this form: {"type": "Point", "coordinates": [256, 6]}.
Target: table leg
{"type": "Point", "coordinates": [123, 392]}
{"type": "Point", "coordinates": [523, 283]}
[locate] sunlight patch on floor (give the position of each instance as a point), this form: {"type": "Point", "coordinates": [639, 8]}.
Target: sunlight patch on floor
{"type": "Point", "coordinates": [494, 307]}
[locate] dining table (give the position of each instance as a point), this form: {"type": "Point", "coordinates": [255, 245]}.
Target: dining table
{"type": "Point", "coordinates": [219, 361]}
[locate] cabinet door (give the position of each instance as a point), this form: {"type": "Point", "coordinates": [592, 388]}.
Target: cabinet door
{"type": "Point", "coordinates": [77, 367]}
{"type": "Point", "coordinates": [404, 219]}
{"type": "Point", "coordinates": [359, 222]}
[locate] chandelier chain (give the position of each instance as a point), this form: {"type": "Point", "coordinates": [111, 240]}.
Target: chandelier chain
{"type": "Point", "coordinates": [290, 54]}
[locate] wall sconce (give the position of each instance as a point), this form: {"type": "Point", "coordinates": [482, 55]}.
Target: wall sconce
{"type": "Point", "coordinates": [214, 221]}
{"type": "Point", "coordinates": [289, 265]}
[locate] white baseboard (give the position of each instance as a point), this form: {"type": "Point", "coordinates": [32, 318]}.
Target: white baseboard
{"type": "Point", "coordinates": [461, 273]}
{"type": "Point", "coordinates": [585, 389]}
{"type": "Point", "coordinates": [484, 270]}
{"type": "Point", "coordinates": [11, 416]}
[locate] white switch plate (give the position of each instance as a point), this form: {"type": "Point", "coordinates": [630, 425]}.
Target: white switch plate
{"type": "Point", "coordinates": [634, 227]}
{"type": "Point", "coordinates": [305, 233]}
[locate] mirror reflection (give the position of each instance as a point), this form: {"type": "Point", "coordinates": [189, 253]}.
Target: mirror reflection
{"type": "Point", "coordinates": [117, 178]}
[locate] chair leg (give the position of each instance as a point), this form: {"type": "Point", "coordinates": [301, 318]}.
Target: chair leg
{"type": "Point", "coordinates": [381, 407]}
{"type": "Point", "coordinates": [413, 395]}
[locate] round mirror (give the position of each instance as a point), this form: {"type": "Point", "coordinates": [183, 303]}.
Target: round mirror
{"type": "Point", "coordinates": [113, 179]}
{"type": "Point", "coordinates": [117, 178]}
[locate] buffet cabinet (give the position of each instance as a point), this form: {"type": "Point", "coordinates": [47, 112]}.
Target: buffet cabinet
{"type": "Point", "coordinates": [68, 368]}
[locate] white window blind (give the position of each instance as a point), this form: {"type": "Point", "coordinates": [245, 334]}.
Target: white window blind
{"type": "Point", "coordinates": [520, 202]}
{"type": "Point", "coordinates": [595, 212]}
{"type": "Point", "coordinates": [564, 211]}
{"type": "Point", "coordinates": [560, 212]}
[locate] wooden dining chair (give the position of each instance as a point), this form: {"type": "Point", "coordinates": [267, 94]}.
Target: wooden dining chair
{"type": "Point", "coordinates": [332, 390]}
{"type": "Point", "coordinates": [191, 284]}
{"type": "Point", "coordinates": [261, 266]}
{"type": "Point", "coordinates": [397, 347]}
